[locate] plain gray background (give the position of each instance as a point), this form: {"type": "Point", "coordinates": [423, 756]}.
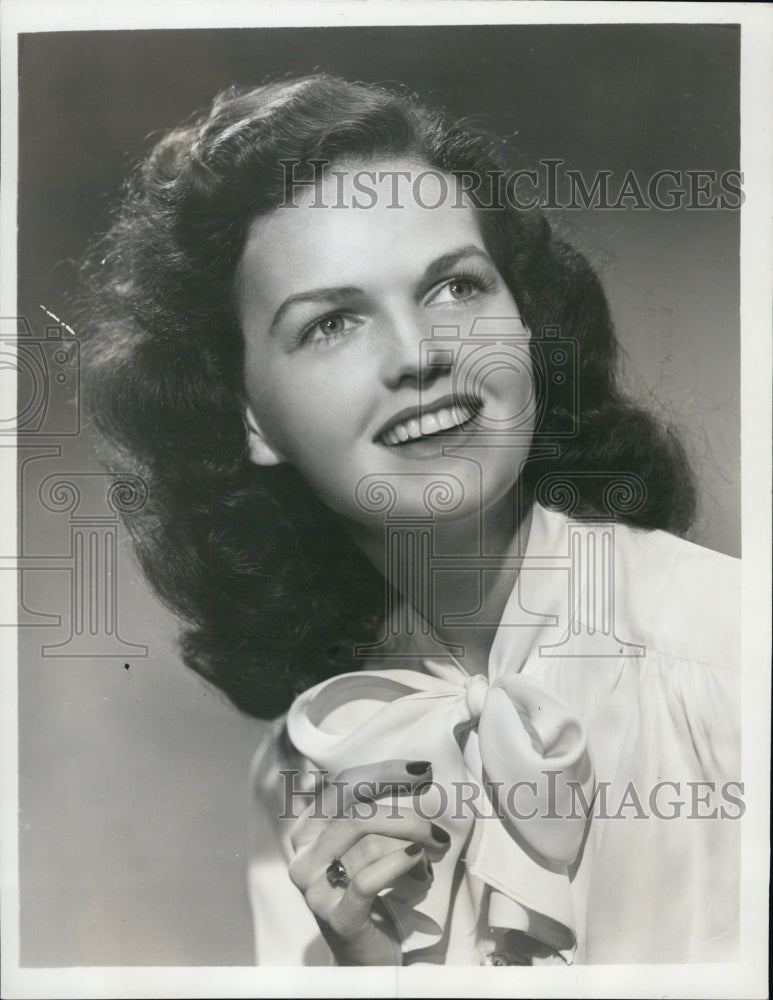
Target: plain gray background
{"type": "Point", "coordinates": [134, 800]}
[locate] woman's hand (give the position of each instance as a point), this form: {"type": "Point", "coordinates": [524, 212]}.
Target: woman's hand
{"type": "Point", "coordinates": [377, 843]}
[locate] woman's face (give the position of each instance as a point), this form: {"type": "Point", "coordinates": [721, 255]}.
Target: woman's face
{"type": "Point", "coordinates": [382, 345]}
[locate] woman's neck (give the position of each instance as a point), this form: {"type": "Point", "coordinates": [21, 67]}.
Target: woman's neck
{"type": "Point", "coordinates": [460, 583]}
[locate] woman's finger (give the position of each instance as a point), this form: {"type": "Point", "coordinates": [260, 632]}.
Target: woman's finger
{"type": "Point", "coordinates": [373, 847]}
{"type": "Point", "coordinates": [394, 821]}
{"type": "Point", "coordinates": [347, 910]}
{"type": "Point", "coordinates": [370, 782]}
{"type": "Point", "coordinates": [362, 784]}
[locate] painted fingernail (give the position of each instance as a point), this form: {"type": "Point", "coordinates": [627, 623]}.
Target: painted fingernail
{"type": "Point", "coordinates": [418, 766]}
{"type": "Point", "coordinates": [413, 849]}
{"type": "Point", "coordinates": [439, 834]}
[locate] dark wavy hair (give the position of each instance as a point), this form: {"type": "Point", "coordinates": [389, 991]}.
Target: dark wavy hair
{"type": "Point", "coordinates": [273, 593]}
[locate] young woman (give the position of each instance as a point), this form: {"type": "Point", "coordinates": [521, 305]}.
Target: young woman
{"type": "Point", "coordinates": [405, 512]}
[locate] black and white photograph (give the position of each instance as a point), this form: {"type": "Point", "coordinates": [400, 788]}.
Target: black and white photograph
{"type": "Point", "coordinates": [386, 414]}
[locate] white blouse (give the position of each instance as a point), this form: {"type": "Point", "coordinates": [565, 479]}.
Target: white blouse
{"type": "Point", "coordinates": [599, 766]}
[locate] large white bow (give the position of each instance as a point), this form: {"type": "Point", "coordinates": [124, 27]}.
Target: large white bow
{"type": "Point", "coordinates": [512, 780]}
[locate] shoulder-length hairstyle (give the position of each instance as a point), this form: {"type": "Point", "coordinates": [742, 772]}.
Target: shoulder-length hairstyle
{"type": "Point", "coordinates": [273, 593]}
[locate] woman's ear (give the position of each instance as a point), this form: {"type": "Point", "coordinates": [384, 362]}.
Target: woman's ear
{"type": "Point", "coordinates": [261, 452]}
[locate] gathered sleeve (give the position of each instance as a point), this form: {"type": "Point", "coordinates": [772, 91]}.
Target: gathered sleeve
{"type": "Point", "coordinates": [285, 930]}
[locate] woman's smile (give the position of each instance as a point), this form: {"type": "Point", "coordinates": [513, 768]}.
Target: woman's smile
{"type": "Point", "coordinates": [446, 415]}
{"type": "Point", "coordinates": [358, 329]}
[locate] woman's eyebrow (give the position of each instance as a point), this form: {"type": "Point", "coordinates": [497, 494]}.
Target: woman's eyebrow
{"type": "Point", "coordinates": [438, 268]}
{"type": "Point", "coordinates": [332, 295]}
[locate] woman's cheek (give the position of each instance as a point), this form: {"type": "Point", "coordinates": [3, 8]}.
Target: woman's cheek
{"type": "Point", "coordinates": [316, 433]}
{"type": "Point", "coordinates": [510, 398]}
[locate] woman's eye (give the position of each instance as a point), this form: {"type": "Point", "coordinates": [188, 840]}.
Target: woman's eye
{"type": "Point", "coordinates": [328, 328]}
{"type": "Point", "coordinates": [458, 290]}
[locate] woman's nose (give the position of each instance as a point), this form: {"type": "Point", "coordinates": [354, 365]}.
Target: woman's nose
{"type": "Point", "coordinates": [406, 355]}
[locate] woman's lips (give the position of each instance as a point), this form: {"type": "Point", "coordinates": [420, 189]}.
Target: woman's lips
{"type": "Point", "coordinates": [445, 415]}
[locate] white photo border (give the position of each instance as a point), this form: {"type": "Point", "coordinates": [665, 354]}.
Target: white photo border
{"type": "Point", "coordinates": [748, 977]}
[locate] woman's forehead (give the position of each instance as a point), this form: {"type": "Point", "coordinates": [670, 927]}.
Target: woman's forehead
{"type": "Point", "coordinates": [364, 225]}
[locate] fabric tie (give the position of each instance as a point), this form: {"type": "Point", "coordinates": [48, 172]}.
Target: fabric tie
{"type": "Point", "coordinates": [512, 782]}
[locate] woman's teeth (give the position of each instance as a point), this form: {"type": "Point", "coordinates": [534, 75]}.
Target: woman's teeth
{"type": "Point", "coordinates": [429, 423]}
